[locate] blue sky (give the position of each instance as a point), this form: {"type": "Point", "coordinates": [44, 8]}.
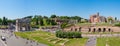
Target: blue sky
{"type": "Point", "coordinates": [20, 8]}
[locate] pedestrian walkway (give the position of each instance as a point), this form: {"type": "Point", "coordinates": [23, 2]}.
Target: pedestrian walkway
{"type": "Point", "coordinates": [2, 43]}
{"type": "Point", "coordinates": [91, 41]}
{"type": "Point", "coordinates": [12, 40]}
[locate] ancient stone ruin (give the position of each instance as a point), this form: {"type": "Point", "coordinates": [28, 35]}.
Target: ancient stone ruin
{"type": "Point", "coordinates": [23, 24]}
{"type": "Point", "coordinates": [93, 29]}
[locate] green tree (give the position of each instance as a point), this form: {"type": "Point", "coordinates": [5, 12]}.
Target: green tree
{"type": "Point", "coordinates": [45, 22]}
{"type": "Point", "coordinates": [76, 18]}
{"type": "Point", "coordinates": [117, 24]}
{"type": "Point", "coordinates": [110, 20]}
{"type": "Point", "coordinates": [63, 25]}
{"type": "Point", "coordinates": [45, 17]}
{"type": "Point", "coordinates": [14, 22]}
{"type": "Point", "coordinates": [40, 20]}
{"type": "Point", "coordinates": [0, 21]}
{"type": "Point", "coordinates": [53, 22]}
{"type": "Point", "coordinates": [4, 22]}
{"type": "Point", "coordinates": [35, 20]}
{"type": "Point", "coordinates": [115, 19]}
{"type": "Point", "coordinates": [53, 16]}
{"type": "Point", "coordinates": [9, 21]}
{"type": "Point", "coordinates": [64, 17]}
{"type": "Point", "coordinates": [28, 17]}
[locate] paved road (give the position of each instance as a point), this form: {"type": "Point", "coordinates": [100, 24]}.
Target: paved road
{"type": "Point", "coordinates": [2, 43]}
{"type": "Point", "coordinates": [91, 41]}
{"type": "Point", "coordinates": [12, 40]}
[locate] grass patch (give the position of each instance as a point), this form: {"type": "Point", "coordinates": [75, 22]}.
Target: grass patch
{"type": "Point", "coordinates": [111, 41]}
{"type": "Point", "coordinates": [76, 42]}
{"type": "Point", "coordinates": [50, 39]}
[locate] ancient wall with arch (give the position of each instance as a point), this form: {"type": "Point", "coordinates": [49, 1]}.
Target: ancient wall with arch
{"type": "Point", "coordinates": [94, 29]}
{"type": "Point", "coordinates": [100, 29]}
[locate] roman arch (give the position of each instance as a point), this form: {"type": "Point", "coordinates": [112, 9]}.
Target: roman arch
{"type": "Point", "coordinates": [23, 24]}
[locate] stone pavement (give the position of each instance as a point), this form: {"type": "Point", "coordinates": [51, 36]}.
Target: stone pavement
{"type": "Point", "coordinates": [91, 41]}
{"type": "Point", "coordinates": [12, 40]}
{"type": "Point", "coordinates": [2, 43]}
{"type": "Point", "coordinates": [100, 35]}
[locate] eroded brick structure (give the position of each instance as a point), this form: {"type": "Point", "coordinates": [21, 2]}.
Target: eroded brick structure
{"type": "Point", "coordinates": [93, 29]}
{"type": "Point", "coordinates": [73, 28]}
{"type": "Point", "coordinates": [95, 18]}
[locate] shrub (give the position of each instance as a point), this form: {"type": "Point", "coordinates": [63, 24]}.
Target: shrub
{"type": "Point", "coordinates": [118, 24]}
{"type": "Point", "coordinates": [68, 34]}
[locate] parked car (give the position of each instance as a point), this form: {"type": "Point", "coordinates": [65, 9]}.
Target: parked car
{"type": "Point", "coordinates": [3, 38]}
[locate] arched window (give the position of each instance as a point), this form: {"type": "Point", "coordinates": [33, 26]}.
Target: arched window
{"type": "Point", "coordinates": [80, 29]}
{"type": "Point", "coordinates": [75, 29]}
{"type": "Point", "coordinates": [99, 29]}
{"type": "Point", "coordinates": [109, 29]}
{"type": "Point", "coordinates": [94, 30]}
{"type": "Point", "coordinates": [89, 30]}
{"type": "Point", "coordinates": [71, 29]}
{"type": "Point", "coordinates": [104, 29]}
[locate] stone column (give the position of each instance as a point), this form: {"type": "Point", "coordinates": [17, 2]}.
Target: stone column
{"type": "Point", "coordinates": [27, 27]}
{"type": "Point", "coordinates": [17, 26]}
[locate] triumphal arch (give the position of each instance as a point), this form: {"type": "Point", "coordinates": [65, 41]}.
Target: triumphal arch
{"type": "Point", "coordinates": [23, 24]}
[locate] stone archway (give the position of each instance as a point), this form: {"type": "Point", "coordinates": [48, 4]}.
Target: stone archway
{"type": "Point", "coordinates": [23, 24]}
{"type": "Point", "coordinates": [109, 30]}
{"type": "Point", "coordinates": [99, 30]}
{"type": "Point", "coordinates": [80, 29]}
{"type": "Point", "coordinates": [75, 29]}
{"type": "Point", "coordinates": [94, 30]}
{"type": "Point", "coordinates": [104, 29]}
{"type": "Point", "coordinates": [71, 29]}
{"type": "Point", "coordinates": [89, 29]}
